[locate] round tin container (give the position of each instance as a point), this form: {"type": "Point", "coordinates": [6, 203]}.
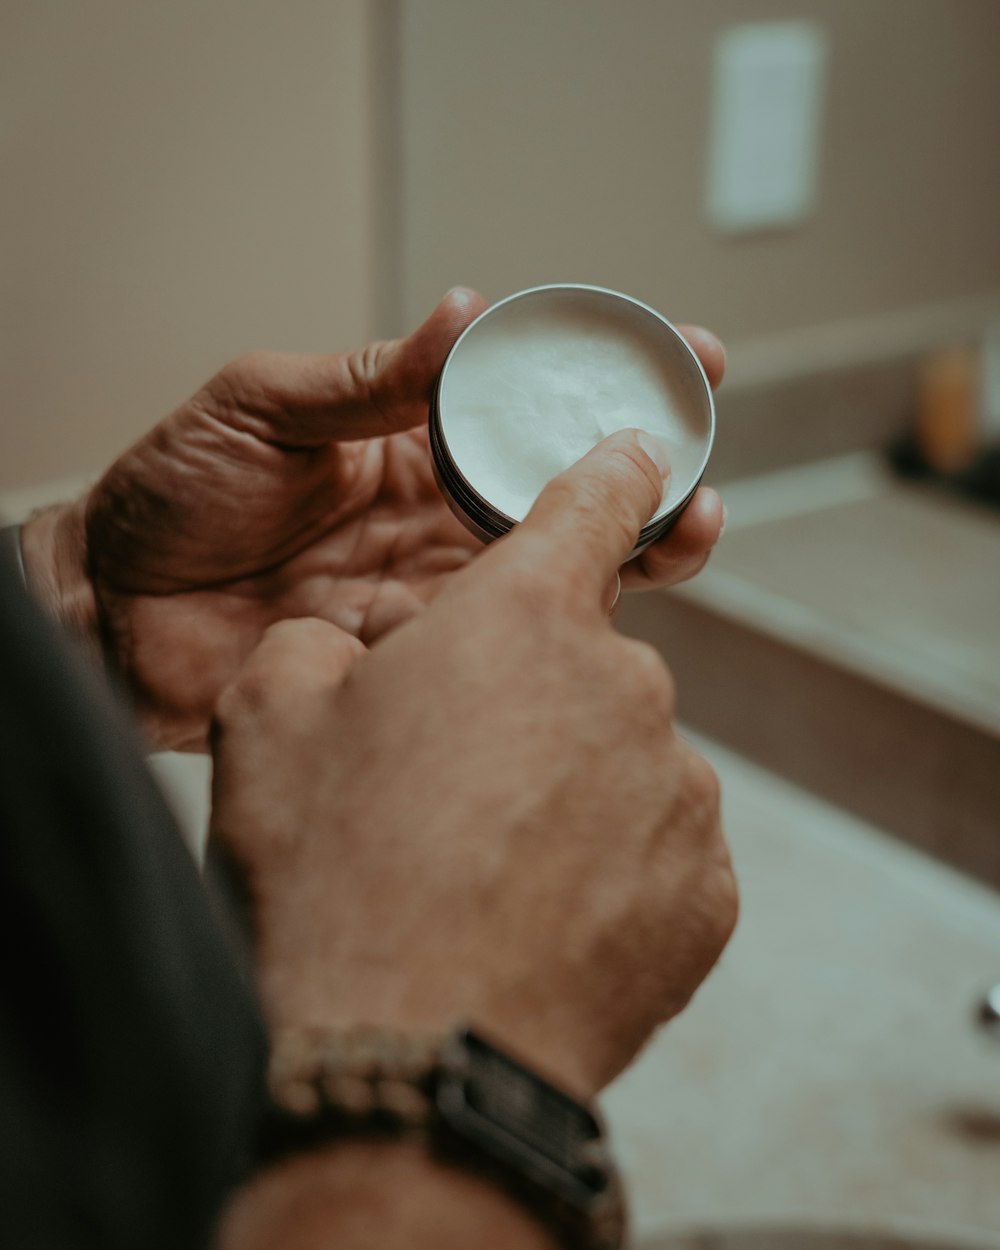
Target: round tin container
{"type": "Point", "coordinates": [594, 338]}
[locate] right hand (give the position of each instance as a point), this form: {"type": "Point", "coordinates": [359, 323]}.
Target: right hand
{"type": "Point", "coordinates": [490, 816]}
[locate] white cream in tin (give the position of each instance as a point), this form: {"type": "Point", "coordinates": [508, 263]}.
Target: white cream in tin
{"type": "Point", "coordinates": [541, 377]}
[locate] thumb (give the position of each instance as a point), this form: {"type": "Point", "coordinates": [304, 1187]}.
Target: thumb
{"type": "Point", "coordinates": [301, 400]}
{"type": "Point", "coordinates": [584, 524]}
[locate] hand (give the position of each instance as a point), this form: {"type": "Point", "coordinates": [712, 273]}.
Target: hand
{"type": "Point", "coordinates": [489, 816]}
{"type": "Point", "coordinates": [289, 486]}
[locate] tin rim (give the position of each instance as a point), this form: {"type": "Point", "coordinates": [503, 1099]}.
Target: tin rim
{"type": "Point", "coordinates": [490, 522]}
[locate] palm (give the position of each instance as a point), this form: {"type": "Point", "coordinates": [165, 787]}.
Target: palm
{"type": "Point", "coordinates": [249, 533]}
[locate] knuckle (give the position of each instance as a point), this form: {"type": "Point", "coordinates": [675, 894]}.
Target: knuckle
{"type": "Point", "coordinates": [631, 489]}
{"type": "Point", "coordinates": [704, 793]}
{"type": "Point", "coordinates": [719, 911]}
{"type": "Point", "coordinates": [728, 903]}
{"type": "Point", "coordinates": [607, 504]}
{"type": "Point", "coordinates": [284, 666]}
{"type": "Point", "coordinates": [596, 506]}
{"type": "Point", "coordinates": [306, 655]}
{"type": "Point", "coordinates": [704, 781]}
{"type": "Point", "coordinates": [366, 369]}
{"type": "Point", "coordinates": [244, 699]}
{"type": "Point", "coordinates": [291, 632]}
{"type": "Point", "coordinates": [650, 678]}
{"type": "Point", "coordinates": [242, 384]}
{"type": "Point", "coordinates": [527, 580]}
{"type": "Point", "coordinates": [239, 373]}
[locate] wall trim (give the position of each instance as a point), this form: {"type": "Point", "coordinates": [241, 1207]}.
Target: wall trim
{"type": "Point", "coordinates": [842, 345]}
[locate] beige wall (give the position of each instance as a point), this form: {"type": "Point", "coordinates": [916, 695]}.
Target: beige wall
{"type": "Point", "coordinates": [566, 141]}
{"type": "Point", "coordinates": [189, 180]}
{"type": "Point", "coordinates": [183, 181]}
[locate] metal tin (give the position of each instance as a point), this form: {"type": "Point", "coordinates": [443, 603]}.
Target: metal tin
{"type": "Point", "coordinates": [468, 502]}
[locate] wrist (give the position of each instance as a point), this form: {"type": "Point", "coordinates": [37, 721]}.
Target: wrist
{"type": "Point", "coordinates": [54, 548]}
{"type": "Point", "coordinates": [428, 1005]}
{"type": "Point", "coordinates": [360, 1193]}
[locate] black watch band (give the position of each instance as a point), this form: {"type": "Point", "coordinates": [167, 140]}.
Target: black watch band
{"type": "Point", "coordinates": [470, 1103]}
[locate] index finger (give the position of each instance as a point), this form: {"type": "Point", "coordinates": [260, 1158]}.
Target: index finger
{"type": "Point", "coordinates": [586, 521]}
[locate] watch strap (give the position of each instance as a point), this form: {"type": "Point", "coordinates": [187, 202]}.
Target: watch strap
{"type": "Point", "coordinates": [372, 1083]}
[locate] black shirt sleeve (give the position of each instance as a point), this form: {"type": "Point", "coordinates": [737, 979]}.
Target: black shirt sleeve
{"type": "Point", "coordinates": [131, 1052]}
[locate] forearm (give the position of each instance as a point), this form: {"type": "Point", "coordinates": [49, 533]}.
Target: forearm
{"type": "Point", "coordinates": [54, 545]}
{"type": "Point", "coordinates": [392, 1196]}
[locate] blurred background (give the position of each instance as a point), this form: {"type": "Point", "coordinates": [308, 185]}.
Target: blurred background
{"type": "Point", "coordinates": [188, 181]}
{"type": "Point", "coordinates": [816, 180]}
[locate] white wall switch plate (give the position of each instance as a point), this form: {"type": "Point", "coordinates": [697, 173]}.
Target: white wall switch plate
{"type": "Point", "coordinates": [766, 119]}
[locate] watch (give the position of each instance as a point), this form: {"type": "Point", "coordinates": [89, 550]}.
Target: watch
{"type": "Point", "coordinates": [473, 1106]}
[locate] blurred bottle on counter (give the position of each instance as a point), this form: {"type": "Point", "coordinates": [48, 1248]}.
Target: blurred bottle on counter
{"type": "Point", "coordinates": [954, 439]}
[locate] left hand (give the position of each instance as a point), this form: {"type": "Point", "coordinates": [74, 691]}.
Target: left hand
{"type": "Point", "coordinates": [289, 486]}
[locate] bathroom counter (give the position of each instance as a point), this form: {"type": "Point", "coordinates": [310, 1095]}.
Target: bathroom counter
{"type": "Point", "coordinates": [829, 1072]}
{"type": "Point", "coordinates": [844, 634]}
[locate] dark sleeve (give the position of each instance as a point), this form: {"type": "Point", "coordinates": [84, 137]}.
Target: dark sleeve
{"type": "Point", "coordinates": [131, 1052]}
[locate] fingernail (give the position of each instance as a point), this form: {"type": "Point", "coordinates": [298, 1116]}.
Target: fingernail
{"type": "Point", "coordinates": [655, 450]}
{"type": "Point", "coordinates": [725, 518]}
